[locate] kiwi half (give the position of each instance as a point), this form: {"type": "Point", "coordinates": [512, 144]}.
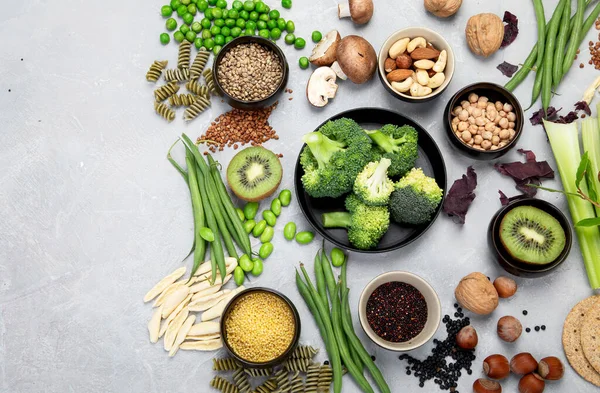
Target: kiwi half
{"type": "Point", "coordinates": [254, 173]}
{"type": "Point", "coordinates": [531, 235]}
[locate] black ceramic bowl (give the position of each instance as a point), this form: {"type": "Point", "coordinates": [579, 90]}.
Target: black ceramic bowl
{"type": "Point", "coordinates": [397, 236]}
{"type": "Point", "coordinates": [494, 93]}
{"type": "Point", "coordinates": [286, 353]}
{"type": "Point", "coordinates": [251, 105]}
{"type": "Point", "coordinates": [508, 262]}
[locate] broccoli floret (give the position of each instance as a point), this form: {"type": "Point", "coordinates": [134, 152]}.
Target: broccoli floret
{"type": "Point", "coordinates": [366, 225]}
{"type": "Point", "coordinates": [333, 157]}
{"type": "Point", "coordinates": [399, 144]}
{"type": "Point", "coordinates": [372, 185]}
{"type": "Point", "coordinates": [415, 199]}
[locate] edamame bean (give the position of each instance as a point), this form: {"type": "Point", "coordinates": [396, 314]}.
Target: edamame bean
{"type": "Point", "coordinates": [257, 267]}
{"type": "Point", "coordinates": [245, 263]}
{"type": "Point", "coordinates": [270, 217]}
{"type": "Point", "coordinates": [305, 237]}
{"type": "Point", "coordinates": [240, 214]}
{"type": "Point", "coordinates": [207, 234]}
{"type": "Point", "coordinates": [265, 250]}
{"type": "Point", "coordinates": [289, 231]}
{"type": "Point", "coordinates": [249, 225]}
{"type": "Point", "coordinates": [337, 257]}
{"type": "Point", "coordinates": [276, 206]}
{"type": "Point", "coordinates": [250, 209]}
{"type": "Point", "coordinates": [285, 196]}
{"type": "Point", "coordinates": [259, 228]}
{"type": "Point", "coordinates": [267, 234]}
{"type": "Point", "coordinates": [238, 276]}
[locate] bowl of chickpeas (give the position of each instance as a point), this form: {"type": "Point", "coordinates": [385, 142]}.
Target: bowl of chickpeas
{"type": "Point", "coordinates": [483, 120]}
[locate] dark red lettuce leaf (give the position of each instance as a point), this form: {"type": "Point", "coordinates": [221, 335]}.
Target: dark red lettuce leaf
{"type": "Point", "coordinates": [524, 173]}
{"type": "Point", "coordinates": [583, 106]}
{"type": "Point", "coordinates": [538, 116]}
{"type": "Point", "coordinates": [507, 69]}
{"type": "Point", "coordinates": [511, 29]}
{"type": "Point", "coordinates": [569, 118]}
{"type": "Point", "coordinates": [504, 200]}
{"type": "Point", "coordinates": [460, 196]}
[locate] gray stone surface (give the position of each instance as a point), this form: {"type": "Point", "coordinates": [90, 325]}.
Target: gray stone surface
{"type": "Point", "coordinates": [92, 214]}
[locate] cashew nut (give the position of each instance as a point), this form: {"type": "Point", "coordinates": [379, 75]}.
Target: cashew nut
{"type": "Point", "coordinates": [440, 64]}
{"type": "Point", "coordinates": [415, 43]}
{"type": "Point", "coordinates": [436, 80]}
{"type": "Point", "coordinates": [424, 64]}
{"type": "Point", "coordinates": [398, 48]}
{"type": "Point", "coordinates": [403, 87]}
{"type": "Point", "coordinates": [416, 90]}
{"type": "Point", "coordinates": [422, 77]}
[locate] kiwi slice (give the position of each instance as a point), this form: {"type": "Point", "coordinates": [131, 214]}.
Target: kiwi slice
{"type": "Point", "coordinates": [531, 235]}
{"type": "Point", "coordinates": [254, 173]}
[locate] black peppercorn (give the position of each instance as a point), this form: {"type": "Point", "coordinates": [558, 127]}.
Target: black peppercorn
{"type": "Point", "coordinates": [537, 328]}
{"type": "Point", "coordinates": [524, 312]}
{"type": "Point", "coordinates": [543, 327]}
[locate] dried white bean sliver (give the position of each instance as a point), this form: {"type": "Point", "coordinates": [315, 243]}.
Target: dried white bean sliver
{"type": "Point", "coordinates": [216, 311]}
{"type": "Point", "coordinates": [154, 325]}
{"type": "Point", "coordinates": [206, 267]}
{"type": "Point", "coordinates": [207, 302]}
{"type": "Point", "coordinates": [173, 328]}
{"type": "Point", "coordinates": [203, 338]}
{"type": "Point", "coordinates": [204, 328]}
{"type": "Point", "coordinates": [164, 283]}
{"type": "Point", "coordinates": [161, 298]}
{"type": "Point", "coordinates": [208, 291]}
{"type": "Point", "coordinates": [211, 345]}
{"type": "Point", "coordinates": [181, 334]}
{"type": "Point", "coordinates": [229, 268]}
{"type": "Point", "coordinates": [174, 314]}
{"type": "Point", "coordinates": [174, 300]}
{"type": "Point", "coordinates": [206, 284]}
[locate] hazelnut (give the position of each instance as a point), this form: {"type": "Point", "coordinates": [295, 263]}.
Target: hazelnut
{"type": "Point", "coordinates": [476, 293]}
{"type": "Point", "coordinates": [509, 328]}
{"type": "Point", "coordinates": [531, 383]}
{"type": "Point", "coordinates": [551, 368]}
{"type": "Point", "coordinates": [467, 338]}
{"type": "Point", "coordinates": [506, 287]}
{"type": "Point", "coordinates": [389, 65]}
{"type": "Point", "coordinates": [523, 363]}
{"type": "Point", "coordinates": [404, 61]}
{"type": "Point", "coordinates": [496, 367]}
{"type": "Point", "coordinates": [486, 386]}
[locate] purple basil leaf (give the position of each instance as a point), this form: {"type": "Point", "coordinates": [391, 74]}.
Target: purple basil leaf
{"type": "Point", "coordinates": [460, 196]}
{"type": "Point", "coordinates": [537, 117]}
{"type": "Point", "coordinates": [511, 29]}
{"type": "Point", "coordinates": [552, 111]}
{"type": "Point", "coordinates": [503, 198]}
{"type": "Point", "coordinates": [569, 118]}
{"type": "Point", "coordinates": [583, 106]}
{"type": "Point", "coordinates": [529, 155]}
{"type": "Point", "coordinates": [510, 18]}
{"type": "Point", "coordinates": [525, 173]}
{"type": "Point", "coordinates": [507, 69]}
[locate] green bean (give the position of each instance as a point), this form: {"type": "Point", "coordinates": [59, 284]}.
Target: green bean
{"type": "Point", "coordinates": [270, 217]}
{"type": "Point", "coordinates": [561, 43]}
{"type": "Point", "coordinates": [265, 250]}
{"type": "Point", "coordinates": [267, 234]}
{"type": "Point", "coordinates": [327, 271]}
{"type": "Point", "coordinates": [541, 28]}
{"type": "Point", "coordinates": [259, 228]}
{"type": "Point", "coordinates": [575, 41]}
{"type": "Point", "coordinates": [245, 263]}
{"type": "Point", "coordinates": [305, 237]}
{"type": "Point", "coordinates": [211, 219]}
{"type": "Point", "coordinates": [240, 214]}
{"type": "Point", "coordinates": [333, 350]}
{"type": "Point", "coordinates": [198, 211]}
{"type": "Point", "coordinates": [219, 219]}
{"type": "Point", "coordinates": [238, 276]}
{"type": "Point", "coordinates": [289, 231]}
{"type": "Point", "coordinates": [537, 86]}
{"type": "Point", "coordinates": [227, 220]}
{"type": "Point", "coordinates": [207, 234]}
{"type": "Point", "coordinates": [276, 207]}
{"type": "Point", "coordinates": [285, 196]}
{"type": "Point", "coordinates": [320, 279]}
{"type": "Point", "coordinates": [345, 305]}
{"type": "Point", "coordinates": [257, 267]}
{"type": "Point", "coordinates": [337, 257]}
{"type": "Point", "coordinates": [181, 171]}
{"type": "Point", "coordinates": [249, 225]}
{"type": "Point", "coordinates": [548, 58]}
{"type": "Point", "coordinates": [362, 352]}
{"type": "Point", "coordinates": [305, 293]}
{"type": "Point", "coordinates": [250, 210]}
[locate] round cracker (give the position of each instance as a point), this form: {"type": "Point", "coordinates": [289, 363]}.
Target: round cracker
{"type": "Point", "coordinates": [590, 336]}
{"type": "Point", "coordinates": [572, 340]}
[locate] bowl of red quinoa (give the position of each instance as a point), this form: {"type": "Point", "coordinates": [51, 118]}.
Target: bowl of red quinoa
{"type": "Point", "coordinates": [250, 72]}
{"type": "Point", "coordinates": [399, 311]}
{"type": "Point", "coordinates": [260, 327]}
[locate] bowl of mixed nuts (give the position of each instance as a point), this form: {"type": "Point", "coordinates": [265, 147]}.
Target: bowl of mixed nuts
{"type": "Point", "coordinates": [250, 72]}
{"type": "Point", "coordinates": [483, 120]}
{"type": "Point", "coordinates": [415, 64]}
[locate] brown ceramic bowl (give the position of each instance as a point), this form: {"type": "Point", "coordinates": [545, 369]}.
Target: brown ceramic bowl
{"type": "Point", "coordinates": [494, 93]}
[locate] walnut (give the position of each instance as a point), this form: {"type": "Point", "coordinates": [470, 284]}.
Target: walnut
{"type": "Point", "coordinates": [484, 34]}
{"type": "Point", "coordinates": [442, 8]}
{"type": "Point", "coordinates": [477, 294]}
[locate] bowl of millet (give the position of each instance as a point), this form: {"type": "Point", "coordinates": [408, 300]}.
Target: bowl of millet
{"type": "Point", "coordinates": [250, 72]}
{"type": "Point", "coordinates": [260, 327]}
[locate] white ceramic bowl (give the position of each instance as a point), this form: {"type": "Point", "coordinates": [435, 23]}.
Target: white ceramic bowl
{"type": "Point", "coordinates": [434, 310]}
{"type": "Point", "coordinates": [413, 32]}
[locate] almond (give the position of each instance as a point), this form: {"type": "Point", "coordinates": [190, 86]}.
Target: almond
{"type": "Point", "coordinates": [399, 75]}
{"type": "Point", "coordinates": [389, 65]}
{"type": "Point", "coordinates": [404, 61]}
{"type": "Point", "coordinates": [424, 53]}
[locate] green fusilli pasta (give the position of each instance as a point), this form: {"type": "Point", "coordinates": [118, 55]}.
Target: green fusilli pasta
{"type": "Point", "coordinates": [240, 379]}
{"type": "Point", "coordinates": [182, 100]}
{"type": "Point", "coordinates": [296, 385]}
{"type": "Point", "coordinates": [297, 364]}
{"type": "Point", "coordinates": [223, 385]}
{"type": "Point", "coordinates": [177, 75]}
{"type": "Point", "coordinates": [208, 78]}
{"type": "Point", "coordinates": [195, 87]}
{"type": "Point", "coordinates": [155, 70]}
{"type": "Point", "coordinates": [225, 364]}
{"type": "Point", "coordinates": [164, 92]}
{"type": "Point", "coordinates": [259, 372]}
{"type": "Point", "coordinates": [325, 377]}
{"type": "Point", "coordinates": [199, 63]}
{"type": "Point", "coordinates": [196, 108]}
{"type": "Point", "coordinates": [304, 352]}
{"type": "Point", "coordinates": [183, 59]}
{"type": "Point", "coordinates": [312, 378]}
{"type": "Point", "coordinates": [268, 386]}
{"type": "Point", "coordinates": [164, 111]}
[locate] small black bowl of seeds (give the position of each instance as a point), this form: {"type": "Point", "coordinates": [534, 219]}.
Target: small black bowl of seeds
{"type": "Point", "coordinates": [250, 72]}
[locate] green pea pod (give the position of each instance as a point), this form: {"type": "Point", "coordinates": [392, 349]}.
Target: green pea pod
{"type": "Point", "coordinates": [207, 234]}
{"type": "Point", "coordinates": [257, 269]}
{"type": "Point", "coordinates": [259, 228]}
{"type": "Point", "coordinates": [285, 197]}
{"type": "Point", "coordinates": [240, 214]}
{"type": "Point", "coordinates": [249, 225]}
{"type": "Point", "coordinates": [305, 237]}
{"type": "Point", "coordinates": [245, 263]}
{"type": "Point", "coordinates": [337, 257]}
{"type": "Point", "coordinates": [267, 234]}
{"type": "Point", "coordinates": [265, 250]}
{"type": "Point", "coordinates": [250, 210]}
{"type": "Point", "coordinates": [276, 207]}
{"type": "Point", "coordinates": [289, 231]}
{"type": "Point", "coordinates": [238, 276]}
{"type": "Point", "coordinates": [270, 217]}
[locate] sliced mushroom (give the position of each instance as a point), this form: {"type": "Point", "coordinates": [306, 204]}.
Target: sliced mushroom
{"type": "Point", "coordinates": [323, 54]}
{"type": "Point", "coordinates": [360, 11]}
{"type": "Point", "coordinates": [356, 58]}
{"type": "Point", "coordinates": [338, 71]}
{"type": "Point", "coordinates": [321, 86]}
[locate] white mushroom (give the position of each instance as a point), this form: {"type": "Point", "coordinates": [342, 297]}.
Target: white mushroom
{"type": "Point", "coordinates": [360, 11]}
{"type": "Point", "coordinates": [321, 86]}
{"type": "Point", "coordinates": [356, 58]}
{"type": "Point", "coordinates": [323, 54]}
{"type": "Point", "coordinates": [338, 71]}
